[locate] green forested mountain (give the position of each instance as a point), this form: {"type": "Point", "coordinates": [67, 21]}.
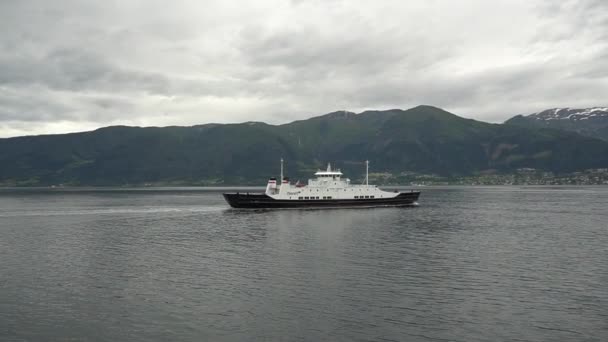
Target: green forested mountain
{"type": "Point", "coordinates": [423, 139]}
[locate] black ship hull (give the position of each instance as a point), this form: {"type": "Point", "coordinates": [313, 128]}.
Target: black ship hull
{"type": "Point", "coordinates": [263, 201]}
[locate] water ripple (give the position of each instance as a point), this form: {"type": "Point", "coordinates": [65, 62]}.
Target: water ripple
{"type": "Point", "coordinates": [468, 264]}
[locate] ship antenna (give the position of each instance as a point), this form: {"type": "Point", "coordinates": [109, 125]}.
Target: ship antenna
{"type": "Point", "coordinates": [281, 171]}
{"type": "Point", "coordinates": [367, 172]}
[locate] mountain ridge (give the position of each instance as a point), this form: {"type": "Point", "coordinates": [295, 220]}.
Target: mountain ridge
{"type": "Point", "coordinates": [423, 139]}
{"type": "Point", "coordinates": [334, 114]}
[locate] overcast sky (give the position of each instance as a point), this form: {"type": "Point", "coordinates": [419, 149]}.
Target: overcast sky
{"type": "Point", "coordinates": [73, 65]}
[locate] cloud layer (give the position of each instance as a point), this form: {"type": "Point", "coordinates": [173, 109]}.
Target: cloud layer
{"type": "Point", "coordinates": [70, 65]}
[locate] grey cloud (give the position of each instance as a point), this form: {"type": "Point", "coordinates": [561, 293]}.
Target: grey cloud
{"type": "Point", "coordinates": [32, 105]}
{"type": "Point", "coordinates": [77, 70]}
{"type": "Point", "coordinates": [359, 53]}
{"type": "Point", "coordinates": [361, 68]}
{"type": "Point", "coordinates": [36, 103]}
{"type": "Point", "coordinates": [568, 20]}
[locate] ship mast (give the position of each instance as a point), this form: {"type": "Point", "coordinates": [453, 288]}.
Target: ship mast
{"type": "Point", "coordinates": [367, 172]}
{"type": "Point", "coordinates": [281, 171]}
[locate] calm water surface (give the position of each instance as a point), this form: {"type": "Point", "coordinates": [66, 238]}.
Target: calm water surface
{"type": "Point", "coordinates": [468, 264]}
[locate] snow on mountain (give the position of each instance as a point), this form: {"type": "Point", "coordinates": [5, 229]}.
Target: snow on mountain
{"type": "Point", "coordinates": [571, 114]}
{"type": "Point", "coordinates": [591, 122]}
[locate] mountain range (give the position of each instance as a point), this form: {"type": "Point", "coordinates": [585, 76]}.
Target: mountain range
{"type": "Point", "coordinates": [423, 139]}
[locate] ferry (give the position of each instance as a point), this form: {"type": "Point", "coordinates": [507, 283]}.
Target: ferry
{"type": "Point", "coordinates": [328, 190]}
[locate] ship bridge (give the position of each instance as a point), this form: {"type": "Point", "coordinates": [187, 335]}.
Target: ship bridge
{"type": "Point", "coordinates": [329, 179]}
{"type": "Point", "coordinates": [329, 173]}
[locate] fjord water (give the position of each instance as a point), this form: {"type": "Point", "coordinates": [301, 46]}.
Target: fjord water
{"type": "Point", "coordinates": [468, 264]}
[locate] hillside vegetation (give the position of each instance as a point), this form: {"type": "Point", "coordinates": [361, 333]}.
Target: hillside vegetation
{"type": "Point", "coordinates": [423, 139]}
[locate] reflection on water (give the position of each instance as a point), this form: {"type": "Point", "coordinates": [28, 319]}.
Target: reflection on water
{"type": "Point", "coordinates": [468, 264]}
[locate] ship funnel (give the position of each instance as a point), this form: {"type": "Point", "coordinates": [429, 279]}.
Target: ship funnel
{"type": "Point", "coordinates": [272, 185]}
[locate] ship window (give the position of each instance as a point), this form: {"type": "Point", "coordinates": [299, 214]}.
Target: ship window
{"type": "Point", "coordinates": [299, 197]}
{"type": "Point", "coordinates": [328, 197]}
{"type": "Point", "coordinates": [306, 197]}
{"type": "Point", "coordinates": [317, 197]}
{"type": "Point", "coordinates": [356, 197]}
{"type": "Point", "coordinates": [366, 196]}
{"type": "Point", "coordinates": [371, 196]}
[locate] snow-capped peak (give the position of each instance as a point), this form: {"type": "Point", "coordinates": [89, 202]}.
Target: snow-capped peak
{"type": "Point", "coordinates": [571, 114]}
